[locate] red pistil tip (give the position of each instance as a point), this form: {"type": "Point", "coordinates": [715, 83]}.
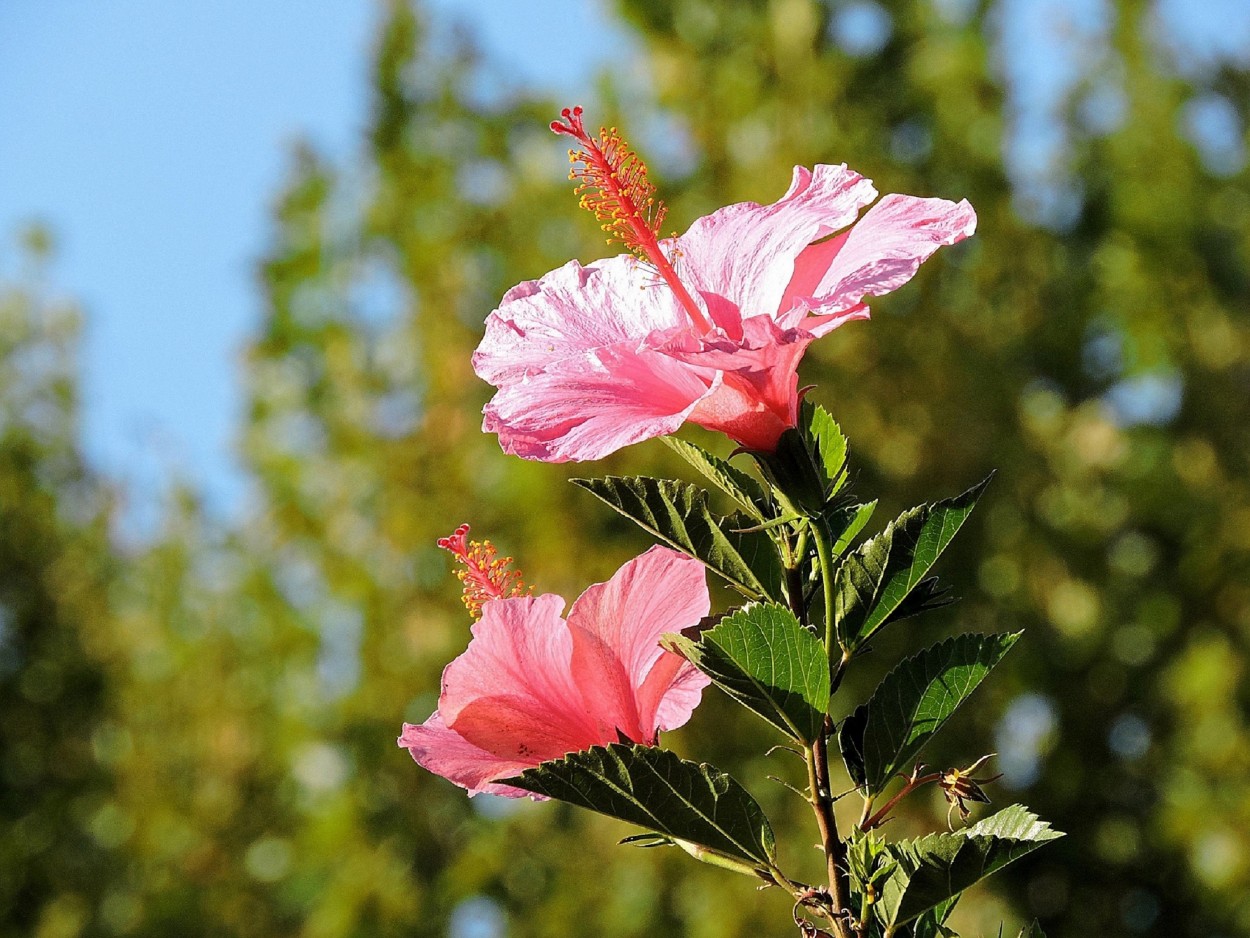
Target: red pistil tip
{"type": "Point", "coordinates": [485, 576]}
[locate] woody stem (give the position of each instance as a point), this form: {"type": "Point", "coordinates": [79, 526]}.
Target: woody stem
{"type": "Point", "coordinates": [827, 824]}
{"type": "Point", "coordinates": [820, 792]}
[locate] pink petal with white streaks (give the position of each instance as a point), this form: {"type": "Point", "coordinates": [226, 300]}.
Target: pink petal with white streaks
{"type": "Point", "coordinates": [888, 245]}
{"type": "Point", "coordinates": [746, 252]}
{"type": "Point", "coordinates": [594, 405]}
{"type": "Point", "coordinates": [570, 311]}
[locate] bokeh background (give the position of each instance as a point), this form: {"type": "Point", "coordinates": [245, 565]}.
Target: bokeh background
{"type": "Point", "coordinates": [211, 630]}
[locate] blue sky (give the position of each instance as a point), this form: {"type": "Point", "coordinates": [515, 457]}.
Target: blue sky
{"type": "Point", "coordinates": [152, 137]}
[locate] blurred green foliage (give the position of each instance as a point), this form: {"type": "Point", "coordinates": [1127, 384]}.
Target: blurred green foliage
{"type": "Point", "coordinates": [196, 733]}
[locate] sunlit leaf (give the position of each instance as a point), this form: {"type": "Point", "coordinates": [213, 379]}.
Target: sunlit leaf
{"type": "Point", "coordinates": [874, 580]}
{"type": "Point", "coordinates": [767, 661]}
{"type": "Point", "coordinates": [913, 702]}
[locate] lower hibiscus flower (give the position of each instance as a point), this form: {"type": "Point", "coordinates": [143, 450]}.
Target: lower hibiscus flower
{"type": "Point", "coordinates": [534, 686]}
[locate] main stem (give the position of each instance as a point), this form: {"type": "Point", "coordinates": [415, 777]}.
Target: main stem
{"type": "Point", "coordinates": [821, 793]}
{"type": "Point", "coordinates": [826, 822]}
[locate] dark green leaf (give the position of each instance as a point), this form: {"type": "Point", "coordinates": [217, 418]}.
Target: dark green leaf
{"type": "Point", "coordinates": [678, 514]}
{"type": "Point", "coordinates": [929, 594]}
{"type": "Point", "coordinates": [646, 840]}
{"type": "Point", "coordinates": [767, 661]}
{"type": "Point", "coordinates": [1033, 930]}
{"type": "Point", "coordinates": [916, 699]}
{"type": "Point", "coordinates": [932, 924]}
{"type": "Point", "coordinates": [735, 483]}
{"type": "Point", "coordinates": [875, 579]}
{"type": "Point", "coordinates": [653, 788]}
{"type": "Point", "coordinates": [934, 869]}
{"type": "Point", "coordinates": [851, 744]}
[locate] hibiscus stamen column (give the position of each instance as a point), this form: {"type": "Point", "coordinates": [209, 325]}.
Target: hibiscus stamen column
{"type": "Point", "coordinates": [484, 575]}
{"type": "Point", "coordinates": [613, 186]}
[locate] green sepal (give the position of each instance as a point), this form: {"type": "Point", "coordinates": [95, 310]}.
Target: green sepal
{"type": "Point", "coordinates": [808, 465]}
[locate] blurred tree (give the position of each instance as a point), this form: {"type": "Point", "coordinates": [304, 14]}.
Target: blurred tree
{"type": "Point", "coordinates": [57, 819]}
{"type": "Point", "coordinates": [196, 733]}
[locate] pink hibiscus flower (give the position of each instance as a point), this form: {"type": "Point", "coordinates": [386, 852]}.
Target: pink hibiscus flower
{"type": "Point", "coordinates": [707, 327]}
{"type": "Point", "coordinates": [534, 686]}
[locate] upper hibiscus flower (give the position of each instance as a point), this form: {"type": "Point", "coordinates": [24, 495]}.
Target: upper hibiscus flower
{"type": "Point", "coordinates": [534, 686]}
{"type": "Point", "coordinates": [709, 326]}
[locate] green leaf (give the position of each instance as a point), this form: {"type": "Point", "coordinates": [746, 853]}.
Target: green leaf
{"type": "Point", "coordinates": [677, 513]}
{"type": "Point", "coordinates": [828, 446]}
{"type": "Point", "coordinates": [1032, 930]}
{"type": "Point", "coordinates": [844, 522]}
{"type": "Point", "coordinates": [653, 788]}
{"type": "Point", "coordinates": [934, 869]}
{"type": "Point", "coordinates": [735, 483]}
{"type": "Point", "coordinates": [767, 661]}
{"type": "Point", "coordinates": [646, 841]}
{"type": "Point", "coordinates": [915, 700]}
{"type": "Point", "coordinates": [851, 744]}
{"type": "Point", "coordinates": [932, 924]}
{"type": "Point", "coordinates": [929, 594]}
{"type": "Point", "coordinates": [874, 580]}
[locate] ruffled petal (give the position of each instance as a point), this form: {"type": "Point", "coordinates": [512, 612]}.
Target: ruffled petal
{"type": "Point", "coordinates": [623, 673]}
{"type": "Point", "coordinates": [595, 405]}
{"type": "Point", "coordinates": [445, 752]}
{"type": "Point", "coordinates": [511, 693]}
{"type": "Point", "coordinates": [746, 252]}
{"type": "Point", "coordinates": [568, 312]}
{"type": "Point", "coordinates": [884, 250]}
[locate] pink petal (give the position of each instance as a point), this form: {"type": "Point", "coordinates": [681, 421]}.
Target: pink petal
{"type": "Point", "coordinates": [445, 752]}
{"type": "Point", "coordinates": [885, 248]}
{"type": "Point", "coordinates": [511, 692]}
{"type": "Point", "coordinates": [757, 397]}
{"type": "Point", "coordinates": [672, 690]}
{"type": "Point", "coordinates": [616, 628]}
{"type": "Point", "coordinates": [746, 252]}
{"type": "Point", "coordinates": [595, 405]}
{"type": "Point", "coordinates": [570, 311]}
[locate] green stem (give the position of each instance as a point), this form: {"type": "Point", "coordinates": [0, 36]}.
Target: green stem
{"type": "Point", "coordinates": [825, 556]}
